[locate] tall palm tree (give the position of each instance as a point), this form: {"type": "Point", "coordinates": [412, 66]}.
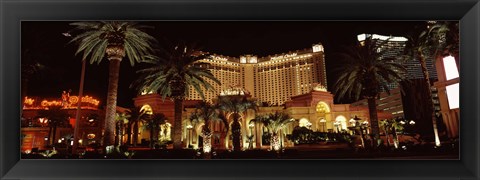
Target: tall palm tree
{"type": "Point", "coordinates": [365, 72]}
{"type": "Point", "coordinates": [274, 123]}
{"type": "Point", "coordinates": [116, 40]}
{"type": "Point", "coordinates": [207, 113]}
{"type": "Point", "coordinates": [153, 123]}
{"type": "Point", "coordinates": [57, 117]}
{"type": "Point", "coordinates": [174, 72]}
{"type": "Point", "coordinates": [137, 115]}
{"type": "Point", "coordinates": [433, 40]}
{"type": "Point", "coordinates": [235, 106]}
{"type": "Point", "coordinates": [430, 41]}
{"type": "Point", "coordinates": [121, 120]}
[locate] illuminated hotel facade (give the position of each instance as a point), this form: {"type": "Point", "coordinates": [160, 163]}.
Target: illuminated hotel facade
{"type": "Point", "coordinates": [294, 83]}
{"type": "Point", "coordinates": [271, 79]}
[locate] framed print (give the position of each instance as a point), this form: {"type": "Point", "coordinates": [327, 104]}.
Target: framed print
{"type": "Point", "coordinates": [239, 89]}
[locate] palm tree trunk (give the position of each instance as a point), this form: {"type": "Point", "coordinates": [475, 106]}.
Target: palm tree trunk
{"type": "Point", "coordinates": [111, 101]}
{"type": "Point", "coordinates": [395, 138]}
{"type": "Point", "coordinates": [151, 137]}
{"type": "Point", "coordinates": [372, 109]}
{"type": "Point", "coordinates": [275, 142]}
{"type": "Point", "coordinates": [50, 138]}
{"type": "Point", "coordinates": [207, 139]}
{"type": "Point", "coordinates": [236, 133]}
{"type": "Point", "coordinates": [117, 137]}
{"type": "Point", "coordinates": [78, 113]}
{"type": "Point", "coordinates": [387, 137]}
{"type": "Point", "coordinates": [177, 127]}
{"type": "Point", "coordinates": [135, 133]}
{"type": "Point", "coordinates": [129, 133]}
{"type": "Point", "coordinates": [426, 75]}
{"type": "Point", "coordinates": [54, 132]}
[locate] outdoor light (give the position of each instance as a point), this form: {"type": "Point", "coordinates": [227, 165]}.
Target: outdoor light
{"type": "Point", "coordinates": [402, 122]}
{"type": "Point", "coordinates": [365, 123]}
{"type": "Point", "coordinates": [352, 122]}
{"type": "Point", "coordinates": [91, 120]}
{"type": "Point", "coordinates": [412, 122]}
{"type": "Point", "coordinates": [43, 120]}
{"type": "Point", "coordinates": [59, 141]}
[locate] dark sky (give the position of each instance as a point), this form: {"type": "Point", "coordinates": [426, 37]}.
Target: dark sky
{"type": "Point", "coordinates": [45, 42]}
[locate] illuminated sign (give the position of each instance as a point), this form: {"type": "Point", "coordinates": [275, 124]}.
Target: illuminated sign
{"type": "Point", "coordinates": [85, 99]}
{"type": "Point", "coordinates": [362, 37]}
{"type": "Point", "coordinates": [51, 103]}
{"type": "Point", "coordinates": [218, 58]}
{"type": "Point", "coordinates": [317, 48]}
{"type": "Point", "coordinates": [284, 56]}
{"type": "Point", "coordinates": [72, 100]}
{"type": "Point", "coordinates": [243, 59]}
{"type": "Point", "coordinates": [28, 101]}
{"type": "Point", "coordinates": [248, 59]}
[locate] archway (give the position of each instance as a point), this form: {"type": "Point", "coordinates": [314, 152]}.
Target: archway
{"type": "Point", "coordinates": [342, 122]}
{"type": "Point", "coordinates": [304, 122]}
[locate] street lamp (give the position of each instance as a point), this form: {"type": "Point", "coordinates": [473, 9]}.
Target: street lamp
{"type": "Point", "coordinates": [324, 123]}
{"type": "Point", "coordinates": [352, 122]}
{"type": "Point", "coordinates": [189, 127]}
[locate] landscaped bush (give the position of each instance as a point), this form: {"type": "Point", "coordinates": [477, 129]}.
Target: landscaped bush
{"type": "Point", "coordinates": [303, 135]}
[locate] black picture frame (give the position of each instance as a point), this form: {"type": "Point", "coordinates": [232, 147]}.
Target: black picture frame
{"type": "Point", "coordinates": [12, 12]}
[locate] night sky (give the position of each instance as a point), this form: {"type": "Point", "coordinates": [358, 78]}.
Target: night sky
{"type": "Point", "coordinates": [44, 41]}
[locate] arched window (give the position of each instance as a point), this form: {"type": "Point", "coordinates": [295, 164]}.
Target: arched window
{"type": "Point", "coordinates": [322, 107]}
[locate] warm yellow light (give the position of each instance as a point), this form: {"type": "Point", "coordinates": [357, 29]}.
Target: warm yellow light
{"type": "Point", "coordinates": [28, 101]}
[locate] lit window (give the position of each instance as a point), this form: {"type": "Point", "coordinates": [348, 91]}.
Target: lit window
{"type": "Point", "coordinates": [453, 95]}
{"type": "Point", "coordinates": [450, 65]}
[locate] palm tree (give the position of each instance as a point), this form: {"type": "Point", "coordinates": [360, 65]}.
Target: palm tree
{"type": "Point", "coordinates": [234, 106]}
{"type": "Point", "coordinates": [392, 126]}
{"type": "Point", "coordinates": [121, 120]}
{"type": "Point", "coordinates": [153, 123]}
{"type": "Point", "coordinates": [207, 112]}
{"type": "Point", "coordinates": [446, 37]}
{"type": "Point", "coordinates": [174, 72]}
{"type": "Point", "coordinates": [116, 40]}
{"type": "Point", "coordinates": [274, 123]}
{"type": "Point", "coordinates": [137, 114]}
{"type": "Point", "coordinates": [57, 117]}
{"type": "Point", "coordinates": [365, 72]}
{"type": "Point", "coordinates": [432, 41]}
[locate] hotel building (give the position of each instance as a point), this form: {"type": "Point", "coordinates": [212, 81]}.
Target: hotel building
{"type": "Point", "coordinates": [271, 79]}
